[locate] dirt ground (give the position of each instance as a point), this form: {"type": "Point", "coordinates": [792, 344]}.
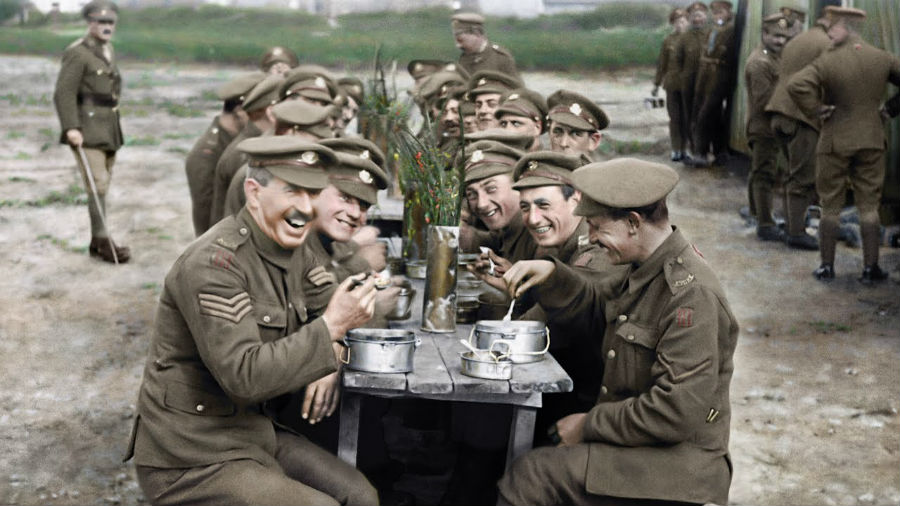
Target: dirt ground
{"type": "Point", "coordinates": [816, 388]}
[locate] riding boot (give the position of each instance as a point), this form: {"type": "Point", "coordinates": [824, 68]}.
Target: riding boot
{"type": "Point", "coordinates": [871, 240]}
{"type": "Point", "coordinates": [828, 232]}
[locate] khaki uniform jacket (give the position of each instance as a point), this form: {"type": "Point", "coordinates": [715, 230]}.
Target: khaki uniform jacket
{"type": "Point", "coordinates": [513, 243]}
{"type": "Point", "coordinates": [200, 167]}
{"type": "Point", "coordinates": [494, 57]}
{"type": "Point", "coordinates": [760, 74]}
{"type": "Point", "coordinates": [322, 271]}
{"type": "Point", "coordinates": [229, 335]}
{"type": "Point", "coordinates": [797, 53]}
{"type": "Point", "coordinates": [689, 47]}
{"type": "Point", "coordinates": [229, 163]}
{"type": "Point", "coordinates": [660, 428]}
{"type": "Point", "coordinates": [852, 77]}
{"type": "Point", "coordinates": [87, 95]}
{"type": "Point", "coordinates": [666, 68]}
{"type": "Point", "coordinates": [234, 195]}
{"type": "Point", "coordinates": [715, 74]}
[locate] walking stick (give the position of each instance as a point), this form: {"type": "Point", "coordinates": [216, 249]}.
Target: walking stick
{"type": "Point", "coordinates": [93, 187]}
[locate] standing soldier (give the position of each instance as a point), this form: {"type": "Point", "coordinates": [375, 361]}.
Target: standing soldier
{"type": "Point", "coordinates": [760, 74]}
{"type": "Point", "coordinates": [797, 133]}
{"type": "Point", "coordinates": [796, 18]}
{"type": "Point", "coordinates": [667, 77]}
{"type": "Point", "coordinates": [714, 86]}
{"type": "Point", "coordinates": [477, 51]}
{"type": "Point", "coordinates": [200, 165]}
{"type": "Point", "coordinates": [87, 103]}
{"type": "Point", "coordinates": [852, 76]}
{"type": "Point", "coordinates": [688, 50]}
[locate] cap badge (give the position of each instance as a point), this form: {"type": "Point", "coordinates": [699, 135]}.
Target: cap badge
{"type": "Point", "coordinates": [276, 51]}
{"type": "Point", "coordinates": [443, 90]}
{"type": "Point", "coordinates": [103, 12]}
{"type": "Point", "coordinates": [364, 176]}
{"type": "Point", "coordinates": [309, 157]}
{"type": "Point", "coordinates": [477, 156]}
{"type": "Point", "coordinates": [417, 67]}
{"type": "Point", "coordinates": [365, 154]}
{"type": "Point", "coordinates": [532, 165]}
{"type": "Point", "coordinates": [782, 23]}
{"type": "Point", "coordinates": [514, 96]}
{"type": "Point", "coordinates": [482, 81]}
{"type": "Point", "coordinates": [319, 82]}
{"type": "Point", "coordinates": [575, 109]}
{"type": "Point", "coordinates": [451, 67]}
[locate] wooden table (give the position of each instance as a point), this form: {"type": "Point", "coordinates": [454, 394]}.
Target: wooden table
{"type": "Point", "coordinates": [436, 375]}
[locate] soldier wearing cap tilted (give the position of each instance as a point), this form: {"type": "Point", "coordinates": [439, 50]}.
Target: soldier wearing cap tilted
{"type": "Point", "coordinates": [485, 89]}
{"type": "Point", "coordinates": [851, 77]}
{"type": "Point", "coordinates": [278, 60]}
{"type": "Point", "coordinates": [798, 133]}
{"type": "Point", "coordinates": [87, 103]}
{"type": "Point", "coordinates": [667, 77]}
{"type": "Point", "coordinates": [296, 118]}
{"type": "Point", "coordinates": [232, 335]}
{"type": "Point", "coordinates": [760, 75]}
{"type": "Point", "coordinates": [575, 122]}
{"type": "Point", "coordinates": [688, 50]}
{"type": "Point", "coordinates": [258, 106]}
{"type": "Point", "coordinates": [200, 164]}
{"type": "Point", "coordinates": [716, 79]}
{"type": "Point", "coordinates": [659, 430]}
{"type": "Point", "coordinates": [478, 53]}
{"type": "Point", "coordinates": [523, 111]}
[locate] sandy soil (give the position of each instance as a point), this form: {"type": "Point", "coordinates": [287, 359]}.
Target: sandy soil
{"type": "Point", "coordinates": [816, 387]}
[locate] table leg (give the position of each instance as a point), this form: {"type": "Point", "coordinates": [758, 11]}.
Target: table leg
{"type": "Point", "coordinates": [521, 434]}
{"type": "Point", "coordinates": [348, 438]}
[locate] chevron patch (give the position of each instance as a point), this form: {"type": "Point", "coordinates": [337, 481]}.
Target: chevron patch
{"type": "Point", "coordinates": [233, 309]}
{"type": "Point", "coordinates": [319, 276]}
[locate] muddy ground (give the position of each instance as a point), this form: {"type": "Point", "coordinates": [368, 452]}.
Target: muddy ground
{"type": "Point", "coordinates": [816, 387]}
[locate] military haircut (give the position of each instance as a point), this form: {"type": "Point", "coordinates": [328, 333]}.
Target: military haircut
{"type": "Point", "coordinates": [567, 191]}
{"type": "Point", "coordinates": [231, 104]}
{"type": "Point", "coordinates": [259, 174]}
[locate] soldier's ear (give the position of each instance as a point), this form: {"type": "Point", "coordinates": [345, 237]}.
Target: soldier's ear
{"type": "Point", "coordinates": [251, 193]}
{"type": "Point", "coordinates": [595, 140]}
{"type": "Point", "coordinates": [634, 222]}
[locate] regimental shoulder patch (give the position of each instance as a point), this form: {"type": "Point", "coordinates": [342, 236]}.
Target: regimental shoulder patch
{"type": "Point", "coordinates": [319, 276]}
{"type": "Point", "coordinates": [222, 259]}
{"type": "Point", "coordinates": [684, 317]}
{"type": "Point", "coordinates": [582, 260]}
{"type": "Point", "coordinates": [697, 251]}
{"type": "Point", "coordinates": [233, 309]}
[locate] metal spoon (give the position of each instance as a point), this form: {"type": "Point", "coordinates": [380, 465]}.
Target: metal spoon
{"type": "Point", "coordinates": [476, 353]}
{"type": "Point", "coordinates": [487, 251]}
{"type": "Point", "coordinates": [508, 316]}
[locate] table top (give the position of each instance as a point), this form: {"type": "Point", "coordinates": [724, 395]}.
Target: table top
{"type": "Point", "coordinates": [437, 369]}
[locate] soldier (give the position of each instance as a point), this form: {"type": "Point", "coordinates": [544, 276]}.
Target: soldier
{"type": "Point", "coordinates": [667, 77]}
{"type": "Point", "coordinates": [688, 50]}
{"type": "Point", "coordinates": [200, 164]}
{"type": "Point", "coordinates": [523, 111]}
{"type": "Point", "coordinates": [231, 335]}
{"type": "Point", "coordinates": [258, 106]}
{"type": "Point", "coordinates": [87, 103]}
{"type": "Point", "coordinates": [450, 117]}
{"type": "Point", "coordinates": [714, 87]}
{"type": "Point", "coordinates": [469, 118]}
{"type": "Point", "coordinates": [659, 430]}
{"type": "Point", "coordinates": [575, 124]}
{"type": "Point", "coordinates": [435, 89]}
{"type": "Point", "coordinates": [312, 84]}
{"type": "Point", "coordinates": [485, 89]}
{"type": "Point", "coordinates": [354, 91]}
{"type": "Point", "coordinates": [296, 118]}
{"type": "Point", "coordinates": [796, 17]}
{"type": "Point", "coordinates": [852, 76]}
{"type": "Point", "coordinates": [798, 133]}
{"type": "Point", "coordinates": [278, 60]}
{"type": "Point", "coordinates": [514, 140]}
{"type": "Point", "coordinates": [477, 51]}
{"type": "Point", "coordinates": [760, 75]}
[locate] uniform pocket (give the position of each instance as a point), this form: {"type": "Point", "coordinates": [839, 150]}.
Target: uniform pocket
{"type": "Point", "coordinates": [197, 400]}
{"type": "Point", "coordinates": [634, 352]}
{"type": "Point", "coordinates": [271, 318]}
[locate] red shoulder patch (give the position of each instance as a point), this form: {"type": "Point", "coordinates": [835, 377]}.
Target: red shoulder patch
{"type": "Point", "coordinates": [582, 260]}
{"type": "Point", "coordinates": [697, 251]}
{"type": "Point", "coordinates": [684, 317]}
{"type": "Point", "coordinates": [222, 259]}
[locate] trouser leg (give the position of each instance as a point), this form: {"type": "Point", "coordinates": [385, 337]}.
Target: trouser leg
{"type": "Point", "coordinates": [763, 168]}
{"type": "Point", "coordinates": [676, 120]}
{"type": "Point", "coordinates": [101, 164]}
{"type": "Point", "coordinates": [867, 179]}
{"type": "Point", "coordinates": [800, 186]}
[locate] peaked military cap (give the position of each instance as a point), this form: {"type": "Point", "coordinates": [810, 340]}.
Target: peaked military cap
{"type": "Point", "coordinates": [466, 20]}
{"type": "Point", "coordinates": [676, 13]}
{"type": "Point", "coordinates": [302, 82]}
{"type": "Point", "coordinates": [512, 139]}
{"type": "Point", "coordinates": [623, 183]}
{"type": "Point", "coordinates": [100, 10]}
{"type": "Point", "coordinates": [304, 116]}
{"type": "Point", "coordinates": [484, 159]}
{"type": "Point", "coordinates": [836, 12]}
{"type": "Point", "coordinates": [290, 159]}
{"type": "Point", "coordinates": [525, 103]}
{"type": "Point", "coordinates": [360, 146]}
{"type": "Point", "coordinates": [352, 87]}
{"type": "Point", "coordinates": [576, 111]}
{"type": "Point", "coordinates": [278, 54]}
{"type": "Point", "coordinates": [716, 5]}
{"type": "Point", "coordinates": [424, 68]}
{"type": "Point", "coordinates": [795, 13]}
{"type": "Point", "coordinates": [357, 172]}
{"type": "Point", "coordinates": [697, 6]}
{"type": "Point", "coordinates": [776, 24]}
{"type": "Point", "coordinates": [489, 81]}
{"type": "Point", "coordinates": [239, 87]}
{"type": "Point", "coordinates": [439, 85]}
{"type": "Point", "coordinates": [545, 168]}
{"type": "Point", "coordinates": [264, 94]}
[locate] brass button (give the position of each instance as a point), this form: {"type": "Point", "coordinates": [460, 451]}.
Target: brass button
{"type": "Point", "coordinates": [623, 318]}
{"type": "Point", "coordinates": [291, 305]}
{"type": "Point", "coordinates": [200, 408]}
{"type": "Point", "coordinates": [267, 318]}
{"type": "Point", "coordinates": [604, 390]}
{"type": "Point", "coordinates": [611, 354]}
{"type": "Point", "coordinates": [679, 260]}
{"type": "Point", "coordinates": [243, 231]}
{"type": "Point", "coordinates": [630, 337]}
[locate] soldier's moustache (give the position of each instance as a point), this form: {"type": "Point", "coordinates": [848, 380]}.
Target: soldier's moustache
{"type": "Point", "coordinates": [297, 219]}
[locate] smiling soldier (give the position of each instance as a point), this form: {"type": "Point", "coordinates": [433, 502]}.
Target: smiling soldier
{"type": "Point", "coordinates": [232, 334]}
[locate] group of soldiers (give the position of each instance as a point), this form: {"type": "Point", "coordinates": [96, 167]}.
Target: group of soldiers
{"type": "Point", "coordinates": [246, 353]}
{"type": "Point", "coordinates": [814, 96]}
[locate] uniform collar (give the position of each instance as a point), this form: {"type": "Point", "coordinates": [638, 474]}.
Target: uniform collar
{"type": "Point", "coordinates": [568, 248]}
{"type": "Point", "coordinates": [642, 274]}
{"type": "Point", "coordinates": [265, 245]}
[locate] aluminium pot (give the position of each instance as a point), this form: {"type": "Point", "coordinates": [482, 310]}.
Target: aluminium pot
{"type": "Point", "coordinates": [486, 366]}
{"type": "Point", "coordinates": [401, 309]}
{"type": "Point", "coordinates": [381, 350]}
{"type": "Point", "coordinates": [527, 340]}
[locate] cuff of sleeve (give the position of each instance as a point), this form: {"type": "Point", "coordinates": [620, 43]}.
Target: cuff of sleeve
{"type": "Point", "coordinates": [558, 290]}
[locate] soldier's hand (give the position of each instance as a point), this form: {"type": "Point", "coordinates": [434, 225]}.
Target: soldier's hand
{"type": "Point", "coordinates": [366, 235]}
{"type": "Point", "coordinates": [351, 305]}
{"type": "Point", "coordinates": [74, 137]}
{"type": "Point", "coordinates": [571, 429]}
{"type": "Point", "coordinates": [825, 111]}
{"type": "Point", "coordinates": [386, 300]}
{"type": "Point", "coordinates": [655, 91]}
{"type": "Point", "coordinates": [525, 274]}
{"type": "Point", "coordinates": [321, 398]}
{"type": "Point", "coordinates": [375, 254]}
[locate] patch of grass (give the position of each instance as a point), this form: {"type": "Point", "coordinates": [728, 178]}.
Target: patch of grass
{"type": "Point", "coordinates": [824, 327]}
{"type": "Point", "coordinates": [175, 136]}
{"type": "Point", "coordinates": [63, 244]}
{"type": "Point", "coordinates": [47, 132]}
{"type": "Point", "coordinates": [20, 179]}
{"type": "Point", "coordinates": [164, 237]}
{"type": "Point", "coordinates": [149, 286]}
{"type": "Point", "coordinates": [15, 134]}
{"type": "Point", "coordinates": [183, 111]}
{"type": "Point", "coordinates": [178, 150]}
{"type": "Point", "coordinates": [147, 140]}
{"type": "Point", "coordinates": [74, 195]}
{"type": "Point", "coordinates": [21, 155]}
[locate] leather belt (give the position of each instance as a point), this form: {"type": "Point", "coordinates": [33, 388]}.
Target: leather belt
{"type": "Point", "coordinates": [714, 61]}
{"type": "Point", "coordinates": [97, 99]}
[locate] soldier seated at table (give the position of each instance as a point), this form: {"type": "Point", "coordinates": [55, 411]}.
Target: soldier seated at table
{"type": "Point", "coordinates": [523, 111]}
{"type": "Point", "coordinates": [658, 433]}
{"type": "Point", "coordinates": [575, 124]}
{"type": "Point", "coordinates": [485, 89]}
{"type": "Point", "coordinates": [233, 334]}
{"type": "Point", "coordinates": [355, 94]}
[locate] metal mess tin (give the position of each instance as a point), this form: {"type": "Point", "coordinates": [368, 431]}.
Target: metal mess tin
{"type": "Point", "coordinates": [528, 340]}
{"type": "Point", "coordinates": [381, 350]}
{"type": "Point", "coordinates": [401, 310]}
{"type": "Point", "coordinates": [485, 365]}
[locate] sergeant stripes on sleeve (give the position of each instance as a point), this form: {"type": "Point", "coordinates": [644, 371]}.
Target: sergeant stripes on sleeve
{"type": "Point", "coordinates": [233, 309]}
